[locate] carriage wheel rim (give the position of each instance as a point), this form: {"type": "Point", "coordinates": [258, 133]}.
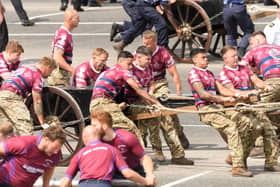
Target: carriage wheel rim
{"type": "Point", "coordinates": [185, 38]}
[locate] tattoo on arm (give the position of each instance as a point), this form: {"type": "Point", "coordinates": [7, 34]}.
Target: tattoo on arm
{"type": "Point", "coordinates": [199, 88]}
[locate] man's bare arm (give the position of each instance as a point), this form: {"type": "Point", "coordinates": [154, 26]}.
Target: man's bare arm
{"type": "Point", "coordinates": [38, 106]}
{"type": "Point", "coordinates": [5, 76]}
{"type": "Point", "coordinates": [47, 176]}
{"type": "Point", "coordinates": [176, 79]}
{"type": "Point", "coordinates": [199, 88]}
{"type": "Point", "coordinates": [58, 57]}
{"type": "Point", "coordinates": [65, 182]}
{"type": "Point", "coordinates": [258, 82]}
{"type": "Point", "coordinates": [2, 150]}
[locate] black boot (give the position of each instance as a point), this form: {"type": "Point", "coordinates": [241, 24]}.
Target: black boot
{"type": "Point", "coordinates": [27, 23]}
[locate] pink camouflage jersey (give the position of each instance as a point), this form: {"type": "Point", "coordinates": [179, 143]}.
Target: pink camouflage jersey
{"type": "Point", "coordinates": [96, 160]}
{"type": "Point", "coordinates": [63, 40]}
{"type": "Point", "coordinates": [207, 79]}
{"type": "Point", "coordinates": [161, 60]}
{"type": "Point", "coordinates": [24, 162]}
{"type": "Point", "coordinates": [85, 75]}
{"type": "Point", "coordinates": [6, 67]}
{"type": "Point", "coordinates": [111, 82]}
{"type": "Point", "coordinates": [24, 80]}
{"type": "Point", "coordinates": [129, 146]}
{"type": "Point", "coordinates": [239, 77]}
{"type": "Point", "coordinates": [266, 58]}
{"type": "Point", "coordinates": [143, 76]}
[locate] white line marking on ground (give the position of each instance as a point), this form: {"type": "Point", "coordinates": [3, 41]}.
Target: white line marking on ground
{"type": "Point", "coordinates": [60, 23]}
{"type": "Point", "coordinates": [186, 179]}
{"type": "Point", "coordinates": [87, 9]}
{"type": "Point", "coordinates": [52, 34]}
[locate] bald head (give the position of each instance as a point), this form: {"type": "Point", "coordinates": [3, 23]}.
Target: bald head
{"type": "Point", "coordinates": [71, 19]}
{"type": "Point", "coordinates": [90, 133]}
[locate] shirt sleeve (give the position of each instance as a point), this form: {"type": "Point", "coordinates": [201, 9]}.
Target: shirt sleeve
{"type": "Point", "coordinates": [73, 167]}
{"type": "Point", "coordinates": [193, 77]}
{"type": "Point", "coordinates": [223, 78]}
{"type": "Point", "coordinates": [37, 82]}
{"type": "Point", "coordinates": [14, 146]}
{"type": "Point", "coordinates": [127, 75]}
{"type": "Point", "coordinates": [168, 59]}
{"type": "Point", "coordinates": [3, 67]}
{"type": "Point", "coordinates": [119, 161]}
{"type": "Point", "coordinates": [249, 57]}
{"type": "Point", "coordinates": [80, 77]}
{"type": "Point", "coordinates": [135, 146]}
{"type": "Point", "coordinates": [61, 41]}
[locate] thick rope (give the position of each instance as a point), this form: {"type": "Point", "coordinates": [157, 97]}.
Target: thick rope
{"type": "Point", "coordinates": [241, 107]}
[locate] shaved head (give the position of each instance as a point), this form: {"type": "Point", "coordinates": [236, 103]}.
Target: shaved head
{"type": "Point", "coordinates": [90, 133]}
{"type": "Point", "coordinates": [71, 19]}
{"type": "Point", "coordinates": [69, 14]}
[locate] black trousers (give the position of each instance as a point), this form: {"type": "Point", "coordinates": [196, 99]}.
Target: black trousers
{"type": "Point", "coordinates": [19, 9]}
{"type": "Point", "coordinates": [76, 3]}
{"type": "Point", "coordinates": [4, 37]}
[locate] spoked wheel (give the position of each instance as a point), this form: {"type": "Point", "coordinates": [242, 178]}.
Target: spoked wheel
{"type": "Point", "coordinates": [60, 106]}
{"type": "Point", "coordinates": [192, 26]}
{"type": "Point", "coordinates": [219, 35]}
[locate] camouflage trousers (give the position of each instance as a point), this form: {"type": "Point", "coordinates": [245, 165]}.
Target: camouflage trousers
{"type": "Point", "coordinates": [153, 125]}
{"type": "Point", "coordinates": [161, 88]}
{"type": "Point", "coordinates": [120, 121]}
{"type": "Point", "coordinates": [270, 141]}
{"type": "Point", "coordinates": [273, 96]}
{"type": "Point", "coordinates": [236, 126]}
{"type": "Point", "coordinates": [13, 110]}
{"type": "Point", "coordinates": [59, 77]}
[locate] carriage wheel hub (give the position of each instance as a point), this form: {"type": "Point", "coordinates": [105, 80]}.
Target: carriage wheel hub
{"type": "Point", "coordinates": [185, 32]}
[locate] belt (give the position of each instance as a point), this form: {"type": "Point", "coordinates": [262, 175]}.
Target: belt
{"type": "Point", "coordinates": [233, 4]}
{"type": "Point", "coordinates": [95, 96]}
{"type": "Point", "coordinates": [13, 90]}
{"type": "Point", "coordinates": [270, 76]}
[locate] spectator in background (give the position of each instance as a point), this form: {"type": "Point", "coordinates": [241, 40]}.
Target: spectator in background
{"type": "Point", "coordinates": [235, 14]}
{"type": "Point", "coordinates": [76, 5]}
{"type": "Point", "coordinates": [147, 12]}
{"type": "Point", "coordinates": [17, 4]}
{"type": "Point", "coordinates": [4, 37]}
{"type": "Point", "coordinates": [272, 30]}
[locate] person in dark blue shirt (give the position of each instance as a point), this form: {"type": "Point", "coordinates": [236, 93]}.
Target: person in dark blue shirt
{"type": "Point", "coordinates": [235, 14]}
{"type": "Point", "coordinates": [147, 11]}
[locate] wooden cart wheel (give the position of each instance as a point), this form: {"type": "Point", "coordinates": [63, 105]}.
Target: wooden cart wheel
{"type": "Point", "coordinates": [60, 104]}
{"type": "Point", "coordinates": [192, 29]}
